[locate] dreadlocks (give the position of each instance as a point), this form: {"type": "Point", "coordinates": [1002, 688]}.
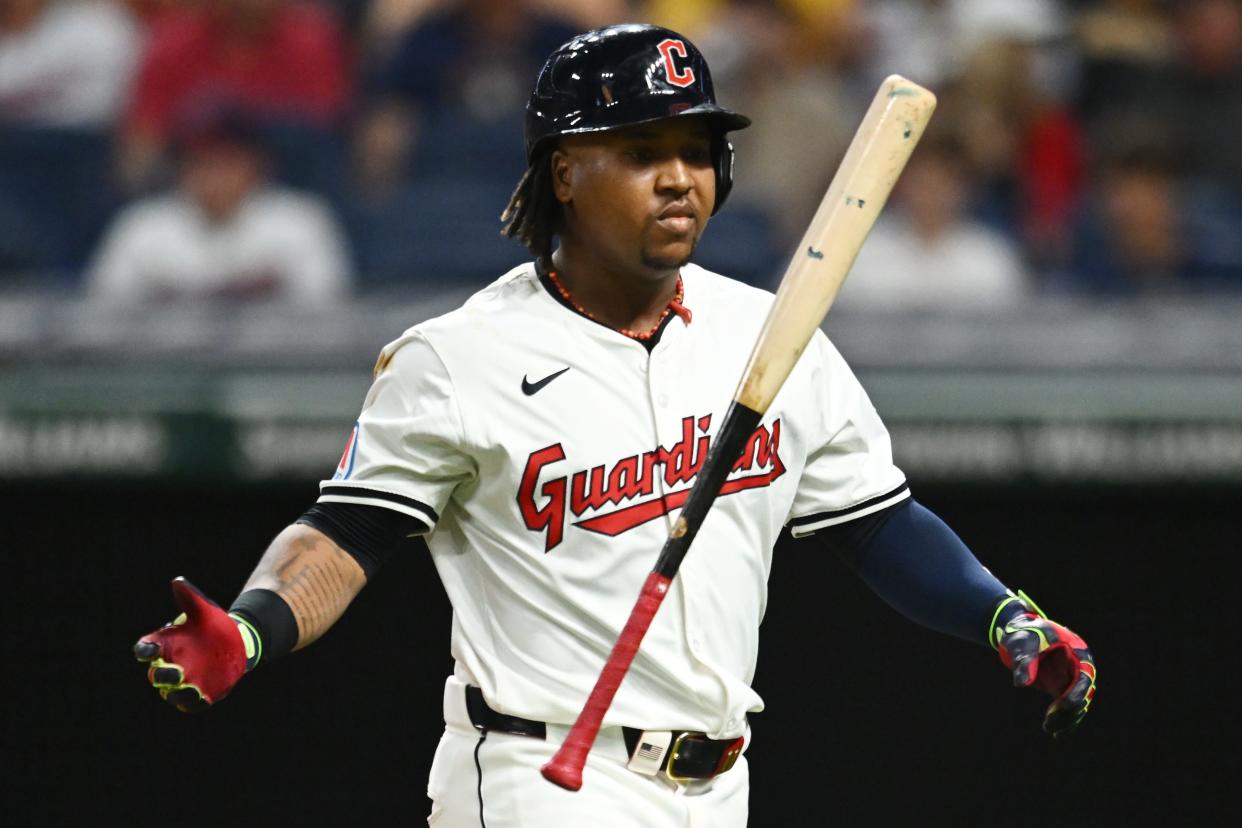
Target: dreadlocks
{"type": "Point", "coordinates": [532, 212]}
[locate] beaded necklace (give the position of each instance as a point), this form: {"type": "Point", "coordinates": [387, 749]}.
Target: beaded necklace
{"type": "Point", "coordinates": [674, 306]}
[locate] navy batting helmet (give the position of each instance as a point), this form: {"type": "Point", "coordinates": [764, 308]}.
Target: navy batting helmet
{"type": "Point", "coordinates": [623, 75]}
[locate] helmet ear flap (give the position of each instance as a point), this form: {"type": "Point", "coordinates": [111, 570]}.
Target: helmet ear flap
{"type": "Point", "coordinates": [722, 152]}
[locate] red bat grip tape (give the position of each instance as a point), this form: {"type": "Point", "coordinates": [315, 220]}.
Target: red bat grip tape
{"type": "Point", "coordinates": [565, 768]}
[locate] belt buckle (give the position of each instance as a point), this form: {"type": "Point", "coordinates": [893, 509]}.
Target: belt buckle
{"type": "Point", "coordinates": [672, 758]}
{"type": "Point", "coordinates": [728, 758]}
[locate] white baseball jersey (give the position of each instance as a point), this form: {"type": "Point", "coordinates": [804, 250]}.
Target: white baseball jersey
{"type": "Point", "coordinates": [548, 456]}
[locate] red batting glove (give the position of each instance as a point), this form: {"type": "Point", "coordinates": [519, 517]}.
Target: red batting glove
{"type": "Point", "coordinates": [197, 658]}
{"type": "Point", "coordinates": [1042, 653]}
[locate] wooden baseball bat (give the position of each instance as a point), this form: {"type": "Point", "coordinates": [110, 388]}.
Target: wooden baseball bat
{"type": "Point", "coordinates": [876, 156]}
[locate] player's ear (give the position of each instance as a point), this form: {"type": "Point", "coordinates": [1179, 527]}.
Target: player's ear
{"type": "Point", "coordinates": [562, 175]}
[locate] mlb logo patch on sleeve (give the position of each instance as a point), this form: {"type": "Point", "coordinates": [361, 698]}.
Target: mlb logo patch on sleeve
{"type": "Point", "coordinates": [346, 467]}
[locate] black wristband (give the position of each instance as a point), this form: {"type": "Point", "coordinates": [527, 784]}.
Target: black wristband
{"type": "Point", "coordinates": [272, 621]}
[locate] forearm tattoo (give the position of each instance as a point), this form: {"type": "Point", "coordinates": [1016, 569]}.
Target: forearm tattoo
{"type": "Point", "coordinates": [313, 575]}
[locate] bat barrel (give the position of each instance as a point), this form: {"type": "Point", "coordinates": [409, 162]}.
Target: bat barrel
{"type": "Point", "coordinates": [889, 132]}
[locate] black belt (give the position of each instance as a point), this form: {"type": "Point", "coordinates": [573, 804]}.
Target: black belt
{"type": "Point", "coordinates": [690, 755]}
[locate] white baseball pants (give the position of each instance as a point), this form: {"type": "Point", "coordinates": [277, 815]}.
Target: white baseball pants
{"type": "Point", "coordinates": [493, 781]}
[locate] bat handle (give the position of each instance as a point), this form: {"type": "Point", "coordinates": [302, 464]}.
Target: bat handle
{"type": "Point", "coordinates": [565, 768]}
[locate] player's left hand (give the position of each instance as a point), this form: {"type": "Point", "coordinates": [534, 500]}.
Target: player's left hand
{"type": "Point", "coordinates": [1042, 653]}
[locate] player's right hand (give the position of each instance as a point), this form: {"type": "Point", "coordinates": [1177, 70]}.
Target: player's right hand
{"type": "Point", "coordinates": [195, 660]}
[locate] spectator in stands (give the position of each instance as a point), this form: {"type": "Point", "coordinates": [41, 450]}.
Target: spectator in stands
{"type": "Point", "coordinates": [65, 69]}
{"type": "Point", "coordinates": [1024, 145]}
{"type": "Point", "coordinates": [439, 146]}
{"type": "Point", "coordinates": [698, 18]}
{"type": "Point", "coordinates": [1198, 93]}
{"type": "Point", "coordinates": [283, 59]}
{"type": "Point", "coordinates": [1205, 104]}
{"type": "Point", "coordinates": [915, 38]}
{"type": "Point", "coordinates": [1131, 241]}
{"type": "Point", "coordinates": [781, 63]}
{"type": "Point", "coordinates": [930, 40]}
{"type": "Point", "coordinates": [386, 20]}
{"type": "Point", "coordinates": [64, 63]}
{"type": "Point", "coordinates": [1004, 72]}
{"type": "Point", "coordinates": [1147, 230]}
{"type": "Point", "coordinates": [1122, 44]}
{"type": "Point", "coordinates": [926, 253]}
{"type": "Point", "coordinates": [428, 63]}
{"type": "Point", "coordinates": [223, 233]}
{"type": "Point", "coordinates": [466, 67]}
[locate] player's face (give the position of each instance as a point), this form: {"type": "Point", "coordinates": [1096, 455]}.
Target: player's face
{"type": "Point", "coordinates": [639, 197]}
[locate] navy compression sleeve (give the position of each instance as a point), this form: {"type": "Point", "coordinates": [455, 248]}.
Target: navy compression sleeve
{"type": "Point", "coordinates": [921, 568]}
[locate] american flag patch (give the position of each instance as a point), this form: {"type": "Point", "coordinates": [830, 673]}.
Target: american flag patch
{"type": "Point", "coordinates": [650, 750]}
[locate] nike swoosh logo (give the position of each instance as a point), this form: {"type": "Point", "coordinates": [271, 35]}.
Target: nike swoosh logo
{"type": "Point", "coordinates": [531, 388]}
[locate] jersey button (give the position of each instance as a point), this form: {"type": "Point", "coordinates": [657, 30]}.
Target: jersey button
{"type": "Point", "coordinates": [662, 400]}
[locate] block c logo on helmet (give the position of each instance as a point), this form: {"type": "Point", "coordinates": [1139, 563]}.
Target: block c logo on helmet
{"type": "Point", "coordinates": [670, 47]}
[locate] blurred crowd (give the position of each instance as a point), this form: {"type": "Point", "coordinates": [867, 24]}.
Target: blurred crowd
{"type": "Point", "coordinates": [308, 151]}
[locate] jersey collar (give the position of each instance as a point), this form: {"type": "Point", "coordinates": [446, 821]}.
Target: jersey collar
{"type": "Point", "coordinates": [649, 343]}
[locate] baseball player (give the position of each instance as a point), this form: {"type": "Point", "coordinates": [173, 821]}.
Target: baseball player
{"type": "Point", "coordinates": [542, 437]}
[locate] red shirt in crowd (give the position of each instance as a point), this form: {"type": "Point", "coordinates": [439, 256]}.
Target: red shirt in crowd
{"type": "Point", "coordinates": [1051, 166]}
{"type": "Point", "coordinates": [292, 65]}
